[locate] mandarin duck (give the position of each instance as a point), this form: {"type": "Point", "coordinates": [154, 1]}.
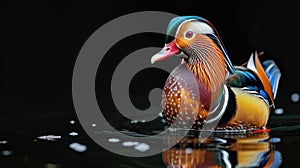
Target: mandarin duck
{"type": "Point", "coordinates": [205, 91]}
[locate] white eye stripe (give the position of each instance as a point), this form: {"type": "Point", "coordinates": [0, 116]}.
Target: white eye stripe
{"type": "Point", "coordinates": [202, 28]}
{"type": "Point", "coordinates": [197, 27]}
{"type": "Point", "coordinates": [179, 27]}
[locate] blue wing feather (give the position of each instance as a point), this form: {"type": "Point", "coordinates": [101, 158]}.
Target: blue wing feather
{"type": "Point", "coordinates": [273, 74]}
{"type": "Point", "coordinates": [246, 78]}
{"type": "Point", "coordinates": [243, 77]}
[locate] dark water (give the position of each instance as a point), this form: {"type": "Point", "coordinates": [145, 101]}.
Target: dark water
{"type": "Point", "coordinates": [59, 141]}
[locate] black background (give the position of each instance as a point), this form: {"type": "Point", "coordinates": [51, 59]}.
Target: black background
{"type": "Point", "coordinates": [40, 41]}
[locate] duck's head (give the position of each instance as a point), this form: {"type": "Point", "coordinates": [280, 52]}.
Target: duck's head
{"type": "Point", "coordinates": [197, 42]}
{"type": "Point", "coordinates": [194, 39]}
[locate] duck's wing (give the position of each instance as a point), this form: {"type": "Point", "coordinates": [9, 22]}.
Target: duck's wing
{"type": "Point", "coordinates": [257, 77]}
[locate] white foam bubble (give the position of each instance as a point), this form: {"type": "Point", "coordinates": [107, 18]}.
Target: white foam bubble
{"type": "Point", "coordinates": [130, 143]}
{"type": "Point", "coordinates": [73, 133]}
{"type": "Point", "coordinates": [134, 121]}
{"type": "Point", "coordinates": [50, 137]}
{"type": "Point", "coordinates": [3, 142]}
{"type": "Point", "coordinates": [295, 97]}
{"type": "Point", "coordinates": [279, 111]}
{"type": "Point", "coordinates": [142, 147]}
{"type": "Point", "coordinates": [6, 152]}
{"type": "Point", "coordinates": [113, 140]}
{"type": "Point", "coordinates": [78, 147]}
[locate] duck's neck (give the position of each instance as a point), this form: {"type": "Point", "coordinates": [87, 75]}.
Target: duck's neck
{"type": "Point", "coordinates": [211, 74]}
{"type": "Point", "coordinates": [207, 61]}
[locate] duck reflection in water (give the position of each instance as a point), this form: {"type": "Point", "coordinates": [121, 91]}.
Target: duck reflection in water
{"type": "Point", "coordinates": [222, 150]}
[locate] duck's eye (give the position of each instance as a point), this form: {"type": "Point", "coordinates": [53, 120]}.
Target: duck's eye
{"type": "Point", "coordinates": [189, 34]}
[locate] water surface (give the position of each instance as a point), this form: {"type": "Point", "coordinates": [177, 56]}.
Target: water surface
{"type": "Point", "coordinates": [61, 142]}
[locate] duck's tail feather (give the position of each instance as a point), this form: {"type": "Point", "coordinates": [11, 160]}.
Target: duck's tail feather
{"type": "Point", "coordinates": [255, 65]}
{"type": "Point", "coordinates": [273, 74]}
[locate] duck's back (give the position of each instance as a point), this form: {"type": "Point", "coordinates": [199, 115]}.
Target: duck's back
{"type": "Point", "coordinates": [255, 87]}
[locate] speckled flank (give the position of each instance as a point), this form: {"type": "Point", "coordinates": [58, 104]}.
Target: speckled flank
{"type": "Point", "coordinates": [181, 101]}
